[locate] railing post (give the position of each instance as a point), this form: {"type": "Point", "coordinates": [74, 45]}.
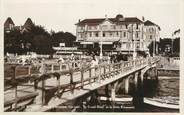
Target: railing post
{"type": "Point", "coordinates": [109, 67]}
{"type": "Point", "coordinates": [43, 91]}
{"type": "Point", "coordinates": [104, 69]}
{"type": "Point", "coordinates": [99, 77]}
{"type": "Point", "coordinates": [90, 75]}
{"type": "Point", "coordinates": [82, 78]}
{"type": "Point", "coordinates": [71, 82]}
{"type": "Point", "coordinates": [43, 71]}
{"type": "Point", "coordinates": [14, 84]}
{"type": "Point", "coordinates": [52, 67]}
{"type": "Point", "coordinates": [29, 70]}
{"type": "Point", "coordinates": [60, 67]}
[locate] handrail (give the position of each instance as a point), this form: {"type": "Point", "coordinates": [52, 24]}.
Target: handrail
{"type": "Point", "coordinates": [68, 70]}
{"type": "Point", "coordinates": [95, 74]}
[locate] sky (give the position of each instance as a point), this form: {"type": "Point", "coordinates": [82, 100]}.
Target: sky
{"type": "Point", "coordinates": [62, 15]}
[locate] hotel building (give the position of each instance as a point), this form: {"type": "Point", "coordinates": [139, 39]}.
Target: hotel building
{"type": "Point", "coordinates": [124, 34]}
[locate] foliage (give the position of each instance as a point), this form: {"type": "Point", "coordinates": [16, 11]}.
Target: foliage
{"type": "Point", "coordinates": [61, 37]}
{"type": "Point", "coordinates": [35, 39]}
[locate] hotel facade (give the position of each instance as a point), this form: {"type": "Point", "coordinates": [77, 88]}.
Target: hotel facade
{"type": "Point", "coordinates": [124, 34]}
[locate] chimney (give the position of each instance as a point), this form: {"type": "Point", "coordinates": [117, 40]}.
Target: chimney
{"type": "Point", "coordinates": [79, 20]}
{"type": "Point", "coordinates": [143, 18]}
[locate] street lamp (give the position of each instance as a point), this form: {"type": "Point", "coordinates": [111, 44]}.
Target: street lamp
{"type": "Point", "coordinates": [172, 40]}
{"type": "Point", "coordinates": [101, 54]}
{"type": "Point", "coordinates": [134, 52]}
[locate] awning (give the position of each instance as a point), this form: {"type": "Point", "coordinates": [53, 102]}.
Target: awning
{"type": "Point", "coordinates": [86, 43]}
{"type": "Point", "coordinates": [107, 43]}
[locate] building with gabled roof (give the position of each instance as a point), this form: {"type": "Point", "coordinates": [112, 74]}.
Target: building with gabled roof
{"type": "Point", "coordinates": [28, 23]}
{"type": "Point", "coordinates": [126, 31]}
{"type": "Point", "coordinates": [9, 24]}
{"type": "Point", "coordinates": [152, 33]}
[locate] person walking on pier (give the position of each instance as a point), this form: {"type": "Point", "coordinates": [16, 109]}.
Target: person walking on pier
{"type": "Point", "coordinates": [94, 63]}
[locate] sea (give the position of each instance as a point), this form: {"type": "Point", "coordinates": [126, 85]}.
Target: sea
{"type": "Point", "coordinates": [166, 88]}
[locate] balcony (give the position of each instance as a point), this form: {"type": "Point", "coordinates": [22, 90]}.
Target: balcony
{"type": "Point", "coordinates": [98, 39]}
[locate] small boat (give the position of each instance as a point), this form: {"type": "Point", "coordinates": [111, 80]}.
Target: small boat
{"type": "Point", "coordinates": [167, 103]}
{"type": "Point", "coordinates": [124, 99]}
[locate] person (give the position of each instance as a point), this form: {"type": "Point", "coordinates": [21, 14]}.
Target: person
{"type": "Point", "coordinates": [72, 59]}
{"type": "Point", "coordinates": [109, 59]}
{"type": "Point", "coordinates": [94, 61]}
{"type": "Point", "coordinates": [23, 60]}
{"type": "Point", "coordinates": [61, 59]}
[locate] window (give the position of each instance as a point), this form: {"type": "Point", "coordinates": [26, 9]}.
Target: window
{"type": "Point", "coordinates": [110, 33]}
{"type": "Point", "coordinates": [137, 35]}
{"type": "Point", "coordinates": [124, 34]}
{"type": "Point", "coordinates": [90, 34]}
{"type": "Point", "coordinates": [104, 26]}
{"type": "Point", "coordinates": [103, 34]}
{"type": "Point", "coordinates": [117, 33]}
{"type": "Point", "coordinates": [151, 36]}
{"type": "Point", "coordinates": [96, 34]}
{"type": "Point", "coordinates": [151, 30]}
{"type": "Point", "coordinates": [89, 27]}
{"type": "Point", "coordinates": [137, 26]}
{"type": "Point", "coordinates": [126, 26]}
{"type": "Point", "coordinates": [79, 35]}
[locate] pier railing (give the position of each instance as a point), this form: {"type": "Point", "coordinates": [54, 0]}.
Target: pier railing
{"type": "Point", "coordinates": [78, 76]}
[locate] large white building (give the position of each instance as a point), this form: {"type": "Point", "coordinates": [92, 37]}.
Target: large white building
{"type": "Point", "coordinates": [128, 32]}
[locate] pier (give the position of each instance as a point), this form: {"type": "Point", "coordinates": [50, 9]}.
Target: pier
{"type": "Point", "coordinates": [49, 85]}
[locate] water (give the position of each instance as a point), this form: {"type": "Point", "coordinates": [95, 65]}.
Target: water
{"type": "Point", "coordinates": [166, 88]}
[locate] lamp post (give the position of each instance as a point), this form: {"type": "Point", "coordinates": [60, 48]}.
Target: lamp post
{"type": "Point", "coordinates": [134, 53]}
{"type": "Point", "coordinates": [101, 54]}
{"type": "Point", "coordinates": [172, 40]}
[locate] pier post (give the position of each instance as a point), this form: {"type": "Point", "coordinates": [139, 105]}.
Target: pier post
{"type": "Point", "coordinates": [113, 94]}
{"type": "Point", "coordinates": [90, 76]}
{"type": "Point", "coordinates": [71, 82]}
{"type": "Point", "coordinates": [58, 80]}
{"type": "Point", "coordinates": [127, 85]}
{"type": "Point", "coordinates": [135, 80]}
{"type": "Point", "coordinates": [82, 79]}
{"type": "Point", "coordinates": [14, 84]}
{"type": "Point", "coordinates": [43, 92]}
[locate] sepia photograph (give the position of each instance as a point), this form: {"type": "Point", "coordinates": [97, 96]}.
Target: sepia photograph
{"type": "Point", "coordinates": [93, 56]}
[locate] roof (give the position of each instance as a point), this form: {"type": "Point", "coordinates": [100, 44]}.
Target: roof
{"type": "Point", "coordinates": [96, 21]}
{"type": "Point", "coordinates": [149, 23]}
{"type": "Point", "coordinates": [28, 23]}
{"type": "Point", "coordinates": [8, 21]}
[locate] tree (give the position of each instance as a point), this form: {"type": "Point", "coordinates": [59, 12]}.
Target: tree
{"type": "Point", "coordinates": [12, 42]}
{"type": "Point", "coordinates": [61, 37]}
{"type": "Point", "coordinates": [150, 47]}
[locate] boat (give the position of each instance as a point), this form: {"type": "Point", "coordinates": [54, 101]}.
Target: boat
{"type": "Point", "coordinates": [164, 103]}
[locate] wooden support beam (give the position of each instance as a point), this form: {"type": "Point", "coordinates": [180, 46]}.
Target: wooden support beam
{"type": "Point", "coordinates": [43, 92]}
{"type": "Point", "coordinates": [82, 79]}
{"type": "Point", "coordinates": [127, 85]}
